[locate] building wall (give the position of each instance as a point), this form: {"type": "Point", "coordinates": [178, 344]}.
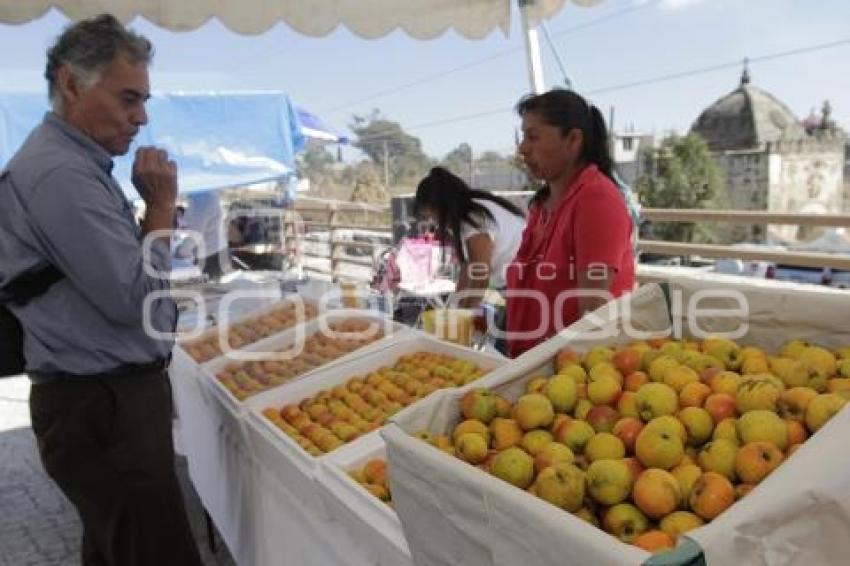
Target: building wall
{"type": "Point", "coordinates": [747, 180]}
{"type": "Point", "coordinates": [806, 177]}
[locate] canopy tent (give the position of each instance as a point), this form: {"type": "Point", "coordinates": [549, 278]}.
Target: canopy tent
{"type": "Point", "coordinates": [315, 129]}
{"type": "Point", "coordinates": [370, 19]}
{"type": "Point", "coordinates": [217, 139]}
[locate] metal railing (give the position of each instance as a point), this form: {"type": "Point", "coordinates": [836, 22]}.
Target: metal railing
{"type": "Point", "coordinates": [311, 216]}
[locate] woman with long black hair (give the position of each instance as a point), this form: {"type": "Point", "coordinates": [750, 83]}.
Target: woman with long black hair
{"type": "Point", "coordinates": [576, 251]}
{"type": "Point", "coordinates": [485, 230]}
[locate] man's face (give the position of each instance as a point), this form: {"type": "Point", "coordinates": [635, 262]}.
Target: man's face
{"type": "Point", "coordinates": [113, 109]}
{"type": "Point", "coordinates": [546, 151]}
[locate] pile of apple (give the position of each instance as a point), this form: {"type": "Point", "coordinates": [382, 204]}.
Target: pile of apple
{"type": "Point", "coordinates": [374, 478]}
{"type": "Point", "coordinates": [656, 438]}
{"type": "Point", "coordinates": [244, 379]}
{"type": "Point", "coordinates": [251, 330]}
{"type": "Point", "coordinates": [336, 416]}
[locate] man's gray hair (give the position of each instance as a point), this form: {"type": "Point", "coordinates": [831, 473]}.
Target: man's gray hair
{"type": "Point", "coordinates": [87, 47]}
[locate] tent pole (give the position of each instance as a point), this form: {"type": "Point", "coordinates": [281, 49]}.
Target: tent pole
{"type": "Point", "coordinates": [532, 48]}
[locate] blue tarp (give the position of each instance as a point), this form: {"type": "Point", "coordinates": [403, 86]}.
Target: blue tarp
{"type": "Point", "coordinates": [217, 140]}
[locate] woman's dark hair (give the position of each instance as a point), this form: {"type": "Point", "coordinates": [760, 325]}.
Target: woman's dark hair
{"type": "Point", "coordinates": [453, 201]}
{"type": "Point", "coordinates": [567, 110]}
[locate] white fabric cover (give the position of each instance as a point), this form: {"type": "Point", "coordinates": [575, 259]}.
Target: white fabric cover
{"type": "Point", "coordinates": [370, 19]}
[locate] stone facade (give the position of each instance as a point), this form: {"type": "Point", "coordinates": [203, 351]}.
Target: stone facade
{"type": "Point", "coordinates": [772, 162]}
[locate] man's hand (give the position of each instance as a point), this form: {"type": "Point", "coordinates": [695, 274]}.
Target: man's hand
{"type": "Point", "coordinates": [155, 178]}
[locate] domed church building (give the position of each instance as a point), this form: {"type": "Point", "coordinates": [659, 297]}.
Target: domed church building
{"type": "Point", "coordinates": [773, 161]}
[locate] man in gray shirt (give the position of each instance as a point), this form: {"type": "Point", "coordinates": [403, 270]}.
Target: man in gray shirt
{"type": "Point", "coordinates": [96, 342]}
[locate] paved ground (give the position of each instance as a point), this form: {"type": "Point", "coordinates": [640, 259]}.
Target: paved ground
{"type": "Point", "coordinates": [38, 526]}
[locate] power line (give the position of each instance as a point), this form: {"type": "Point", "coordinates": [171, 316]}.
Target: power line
{"type": "Point", "coordinates": [477, 62]}
{"type": "Point", "coordinates": [644, 82]}
{"type": "Point", "coordinates": [702, 70]}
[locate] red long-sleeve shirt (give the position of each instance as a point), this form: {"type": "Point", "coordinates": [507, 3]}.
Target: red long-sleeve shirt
{"type": "Point", "coordinates": [588, 228]}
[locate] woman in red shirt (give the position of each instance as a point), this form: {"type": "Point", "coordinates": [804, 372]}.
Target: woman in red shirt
{"type": "Point", "coordinates": [576, 251]}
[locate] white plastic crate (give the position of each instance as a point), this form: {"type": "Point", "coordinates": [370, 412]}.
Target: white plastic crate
{"type": "Point", "coordinates": [242, 317]}
{"type": "Point", "coordinates": [290, 337]}
{"type": "Point", "coordinates": [276, 451]}
{"type": "Point", "coordinates": [363, 515]}
{"type": "Point", "coordinates": [495, 524]}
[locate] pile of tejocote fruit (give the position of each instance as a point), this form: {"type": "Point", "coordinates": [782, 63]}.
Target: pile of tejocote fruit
{"type": "Point", "coordinates": [651, 440]}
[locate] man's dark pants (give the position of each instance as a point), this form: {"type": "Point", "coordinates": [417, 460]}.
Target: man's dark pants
{"type": "Point", "coordinates": [107, 442]}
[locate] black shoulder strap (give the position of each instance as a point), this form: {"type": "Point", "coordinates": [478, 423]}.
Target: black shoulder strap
{"type": "Point", "coordinates": [32, 283]}
{"type": "Point", "coordinates": [29, 285]}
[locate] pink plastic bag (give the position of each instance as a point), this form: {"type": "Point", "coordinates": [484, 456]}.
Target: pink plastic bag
{"type": "Point", "coordinates": [416, 261]}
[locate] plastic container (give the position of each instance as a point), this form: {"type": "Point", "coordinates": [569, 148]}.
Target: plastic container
{"type": "Point", "coordinates": [362, 514]}
{"type": "Point", "coordinates": [452, 325]}
{"type": "Point", "coordinates": [276, 451]}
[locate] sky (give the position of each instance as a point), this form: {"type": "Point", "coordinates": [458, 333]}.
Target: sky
{"type": "Point", "coordinates": [452, 90]}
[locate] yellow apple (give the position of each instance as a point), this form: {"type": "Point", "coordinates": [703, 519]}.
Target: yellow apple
{"type": "Point", "coordinates": [514, 466]}
{"type": "Point", "coordinates": [627, 430]}
{"type": "Point", "coordinates": [471, 447]}
{"type": "Point", "coordinates": [533, 410]}
{"type": "Point", "coordinates": [627, 405]}
{"type": "Point", "coordinates": [609, 481]}
{"type": "Point", "coordinates": [596, 355]}
{"type": "Point", "coordinates": [536, 384]}
{"type": "Point", "coordinates": [822, 408]}
{"type": "Point", "coordinates": [765, 426]}
{"type": "Point", "coordinates": [724, 350]}
{"type": "Point", "coordinates": [698, 423]}
{"type": "Point", "coordinates": [562, 393]}
{"type": "Point", "coordinates": [551, 454]}
{"type": "Point", "coordinates": [533, 441]}
{"type": "Point", "coordinates": [793, 373]}
{"type": "Point", "coordinates": [655, 400]}
{"type": "Point", "coordinates": [562, 485]}
{"type": "Point", "coordinates": [604, 445]}
{"type": "Point", "coordinates": [479, 404]}
{"type": "Point", "coordinates": [725, 382]}
{"type": "Point", "coordinates": [686, 475]}
{"type": "Point", "coordinates": [694, 394]}
{"type": "Point", "coordinates": [670, 424]}
{"type": "Point", "coordinates": [659, 366]}
{"type": "Point", "coordinates": [574, 372]}
{"type": "Point", "coordinates": [657, 493]}
{"type": "Point", "coordinates": [680, 522]}
{"type": "Point", "coordinates": [728, 429]}
{"type": "Point", "coordinates": [793, 402]}
{"type": "Point", "coordinates": [712, 494]}
{"type": "Point", "coordinates": [505, 433]}
{"type": "Point", "coordinates": [819, 361]}
{"type": "Point", "coordinates": [659, 448]}
{"type": "Point", "coordinates": [679, 376]}
{"type": "Point", "coordinates": [793, 349]}
{"type": "Point", "coordinates": [719, 456]}
{"type": "Point", "coordinates": [574, 434]}
{"type": "Point", "coordinates": [471, 425]}
{"type": "Point", "coordinates": [756, 394]}
{"type": "Point", "coordinates": [756, 460]}
{"type": "Point", "coordinates": [603, 390]}
{"type": "Point", "coordinates": [583, 407]}
{"type": "Point", "coordinates": [605, 369]}
{"type": "Point", "coordinates": [625, 521]}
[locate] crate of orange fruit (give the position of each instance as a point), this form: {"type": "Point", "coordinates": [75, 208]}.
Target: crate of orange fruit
{"type": "Point", "coordinates": [659, 449]}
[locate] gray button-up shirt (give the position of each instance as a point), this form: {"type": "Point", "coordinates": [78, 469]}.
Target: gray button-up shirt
{"type": "Point", "coordinates": [60, 204]}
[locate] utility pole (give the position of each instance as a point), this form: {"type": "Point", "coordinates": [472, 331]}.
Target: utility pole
{"type": "Point", "coordinates": [471, 169]}
{"type": "Point", "coordinates": [386, 165]}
